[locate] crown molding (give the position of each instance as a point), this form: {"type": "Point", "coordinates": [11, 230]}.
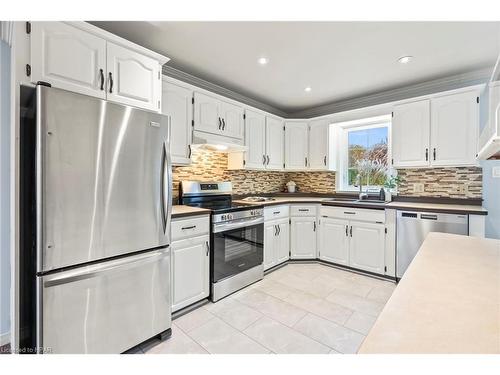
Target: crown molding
{"type": "Point", "coordinates": [452, 82]}
{"type": "Point", "coordinates": [201, 83]}
{"type": "Point", "coordinates": [6, 31]}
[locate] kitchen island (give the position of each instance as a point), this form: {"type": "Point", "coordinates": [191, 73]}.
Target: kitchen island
{"type": "Point", "coordinates": [448, 301]}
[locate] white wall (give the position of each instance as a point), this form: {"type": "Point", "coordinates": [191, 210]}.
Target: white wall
{"type": "Point", "coordinates": [491, 196]}
{"type": "Point", "coordinates": [4, 193]}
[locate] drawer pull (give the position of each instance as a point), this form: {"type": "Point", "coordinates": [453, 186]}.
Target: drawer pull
{"type": "Point", "coordinates": [349, 213]}
{"type": "Point", "coordinates": [190, 227]}
{"type": "Point", "coordinates": [276, 212]}
{"type": "Point", "coordinates": [303, 209]}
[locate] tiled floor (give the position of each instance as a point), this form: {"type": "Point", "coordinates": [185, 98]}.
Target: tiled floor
{"type": "Point", "coordinates": [300, 308]}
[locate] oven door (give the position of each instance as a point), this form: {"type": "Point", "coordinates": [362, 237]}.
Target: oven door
{"type": "Point", "coordinates": [237, 247]}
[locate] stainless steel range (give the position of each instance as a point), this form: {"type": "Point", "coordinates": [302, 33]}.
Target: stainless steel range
{"type": "Point", "coordinates": [237, 236]}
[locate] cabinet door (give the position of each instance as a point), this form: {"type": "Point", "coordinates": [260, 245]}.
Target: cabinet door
{"type": "Point", "coordinates": [334, 241]}
{"type": "Point", "coordinates": [206, 114]}
{"type": "Point", "coordinates": [318, 144]}
{"type": "Point", "coordinates": [282, 247]}
{"type": "Point", "coordinates": [303, 238]}
{"type": "Point", "coordinates": [232, 120]}
{"type": "Point", "coordinates": [177, 103]}
{"type": "Point", "coordinates": [455, 121]}
{"type": "Point", "coordinates": [410, 134]}
{"type": "Point", "coordinates": [270, 233]}
{"type": "Point", "coordinates": [68, 58]}
{"type": "Point", "coordinates": [255, 124]}
{"type": "Point", "coordinates": [366, 248]}
{"type": "Point", "coordinates": [190, 271]}
{"type": "Point", "coordinates": [132, 78]}
{"type": "Point", "coordinates": [296, 145]}
{"type": "Point", "coordinates": [275, 143]}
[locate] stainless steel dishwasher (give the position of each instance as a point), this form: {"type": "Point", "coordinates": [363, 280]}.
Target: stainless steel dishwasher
{"type": "Point", "coordinates": [413, 227]}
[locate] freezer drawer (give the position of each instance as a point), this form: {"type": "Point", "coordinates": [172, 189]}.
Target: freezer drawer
{"type": "Point", "coordinates": [413, 228]}
{"type": "Point", "coordinates": [105, 308]}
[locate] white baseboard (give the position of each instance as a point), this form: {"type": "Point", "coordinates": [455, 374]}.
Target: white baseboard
{"type": "Point", "coordinates": [4, 338]}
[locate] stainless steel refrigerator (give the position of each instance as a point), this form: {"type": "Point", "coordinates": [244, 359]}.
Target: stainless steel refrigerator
{"type": "Point", "coordinates": [97, 220]}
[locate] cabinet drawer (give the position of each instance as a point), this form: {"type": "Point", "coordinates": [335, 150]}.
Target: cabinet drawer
{"type": "Point", "coordinates": [276, 212]}
{"type": "Point", "coordinates": [190, 227]}
{"type": "Point", "coordinates": [360, 214]}
{"type": "Point", "coordinates": [303, 210]}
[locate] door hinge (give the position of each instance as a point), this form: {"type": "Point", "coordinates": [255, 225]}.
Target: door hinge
{"type": "Point", "coordinates": [28, 70]}
{"type": "Point", "coordinates": [477, 100]}
{"type": "Point", "coordinates": [192, 100]}
{"type": "Point", "coordinates": [28, 27]}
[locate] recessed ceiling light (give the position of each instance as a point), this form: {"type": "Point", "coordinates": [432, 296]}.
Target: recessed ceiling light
{"type": "Point", "coordinates": [308, 89]}
{"type": "Point", "coordinates": [263, 60]}
{"type": "Point", "coordinates": [405, 59]}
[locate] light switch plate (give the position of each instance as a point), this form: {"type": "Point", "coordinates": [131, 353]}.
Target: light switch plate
{"type": "Point", "coordinates": [495, 172]}
{"type": "Point", "coordinates": [418, 188]}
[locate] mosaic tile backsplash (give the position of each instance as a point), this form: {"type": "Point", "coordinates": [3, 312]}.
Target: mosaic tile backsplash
{"type": "Point", "coordinates": [438, 182]}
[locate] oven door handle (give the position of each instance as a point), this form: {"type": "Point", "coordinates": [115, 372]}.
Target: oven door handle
{"type": "Point", "coordinates": [222, 227]}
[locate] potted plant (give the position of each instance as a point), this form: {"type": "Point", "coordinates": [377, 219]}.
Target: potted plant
{"type": "Point", "coordinates": [390, 186]}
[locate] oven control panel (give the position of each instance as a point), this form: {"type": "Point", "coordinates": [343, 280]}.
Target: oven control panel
{"type": "Point", "coordinates": [238, 215]}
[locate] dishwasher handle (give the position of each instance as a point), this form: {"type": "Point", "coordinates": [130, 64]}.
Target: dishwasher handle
{"type": "Point", "coordinates": [428, 217]}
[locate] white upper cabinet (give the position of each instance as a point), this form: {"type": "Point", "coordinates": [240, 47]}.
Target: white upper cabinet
{"type": "Point", "coordinates": [255, 133]}
{"type": "Point", "coordinates": [275, 143]}
{"type": "Point", "coordinates": [318, 145]}
{"type": "Point", "coordinates": [296, 142]}
{"type": "Point", "coordinates": [133, 78]}
{"type": "Point", "coordinates": [68, 58]}
{"type": "Point", "coordinates": [454, 130]}
{"type": "Point", "coordinates": [177, 103]}
{"type": "Point", "coordinates": [232, 120]}
{"type": "Point", "coordinates": [82, 58]}
{"type": "Point", "coordinates": [410, 134]}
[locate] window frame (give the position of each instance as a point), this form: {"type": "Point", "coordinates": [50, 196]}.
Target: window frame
{"type": "Point", "coordinates": [343, 154]}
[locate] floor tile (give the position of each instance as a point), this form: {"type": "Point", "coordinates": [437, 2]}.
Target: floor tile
{"type": "Point", "coordinates": [234, 313]}
{"type": "Point", "coordinates": [193, 319]}
{"type": "Point", "coordinates": [273, 307]}
{"type": "Point", "coordinates": [360, 322]}
{"type": "Point", "coordinates": [321, 307]}
{"type": "Point", "coordinates": [337, 337]}
{"type": "Point", "coordinates": [274, 288]}
{"type": "Point", "coordinates": [314, 287]}
{"type": "Point", "coordinates": [355, 302]}
{"type": "Point", "coordinates": [345, 284]}
{"type": "Point", "coordinates": [282, 339]}
{"type": "Point", "coordinates": [381, 293]}
{"type": "Point", "coordinates": [218, 337]}
{"type": "Point", "coordinates": [178, 343]}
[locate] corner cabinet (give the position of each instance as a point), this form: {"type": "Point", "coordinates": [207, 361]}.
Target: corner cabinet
{"type": "Point", "coordinates": [296, 145]}
{"type": "Point", "coordinates": [303, 231]}
{"type": "Point", "coordinates": [82, 58]}
{"type": "Point", "coordinates": [177, 103]}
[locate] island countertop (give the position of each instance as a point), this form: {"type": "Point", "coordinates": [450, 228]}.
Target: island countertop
{"type": "Point", "coordinates": [448, 301]}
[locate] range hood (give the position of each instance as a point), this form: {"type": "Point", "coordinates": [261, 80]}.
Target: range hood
{"type": "Point", "coordinates": [217, 143]}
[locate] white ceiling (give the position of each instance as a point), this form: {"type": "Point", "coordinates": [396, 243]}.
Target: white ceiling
{"type": "Point", "coordinates": [339, 60]}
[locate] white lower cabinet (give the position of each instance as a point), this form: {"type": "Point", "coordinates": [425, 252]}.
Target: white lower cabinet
{"type": "Point", "coordinates": [190, 271]}
{"type": "Point", "coordinates": [367, 247]}
{"type": "Point", "coordinates": [334, 241]}
{"type": "Point", "coordinates": [276, 242]}
{"type": "Point", "coordinates": [303, 237]}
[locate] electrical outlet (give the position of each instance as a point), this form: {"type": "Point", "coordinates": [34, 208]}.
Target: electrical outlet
{"type": "Point", "coordinates": [418, 188]}
{"type": "Point", "coordinates": [463, 189]}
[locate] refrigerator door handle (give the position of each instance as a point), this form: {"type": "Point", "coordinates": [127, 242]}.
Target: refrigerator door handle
{"type": "Point", "coordinates": [163, 192]}
{"type": "Point", "coordinates": [93, 271]}
{"type": "Point", "coordinates": [168, 166]}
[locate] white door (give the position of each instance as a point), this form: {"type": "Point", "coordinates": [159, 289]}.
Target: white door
{"type": "Point", "coordinates": [177, 103]}
{"type": "Point", "coordinates": [68, 58]}
{"type": "Point", "coordinates": [455, 121]}
{"type": "Point", "coordinates": [296, 145]}
{"type": "Point", "coordinates": [190, 271]}
{"type": "Point", "coordinates": [366, 248]}
{"type": "Point", "coordinates": [318, 144]}
{"type": "Point", "coordinates": [132, 78]}
{"type": "Point", "coordinates": [303, 238]}
{"type": "Point", "coordinates": [206, 114]}
{"type": "Point", "coordinates": [270, 233]}
{"type": "Point", "coordinates": [410, 134]}
{"type": "Point", "coordinates": [334, 241]}
{"type": "Point", "coordinates": [275, 143]}
{"type": "Point", "coordinates": [232, 120]}
{"type": "Point", "coordinates": [282, 247]}
{"type": "Point", "coordinates": [255, 125]}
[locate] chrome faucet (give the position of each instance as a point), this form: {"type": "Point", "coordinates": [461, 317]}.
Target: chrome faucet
{"type": "Point", "coordinates": [360, 184]}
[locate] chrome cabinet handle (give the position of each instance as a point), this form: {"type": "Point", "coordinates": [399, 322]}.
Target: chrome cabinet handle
{"type": "Point", "coordinates": [275, 230]}
{"type": "Point", "coordinates": [101, 72]}
{"type": "Point", "coordinates": [314, 228]}
{"type": "Point", "coordinates": [279, 230]}
{"type": "Point", "coordinates": [324, 160]}
{"type": "Point", "coordinates": [220, 123]}
{"type": "Point", "coordinates": [426, 154]}
{"type": "Point", "coordinates": [303, 209]}
{"type": "Point", "coordinates": [349, 213]}
{"type": "Point", "coordinates": [434, 153]}
{"type": "Point", "coordinates": [347, 230]}
{"type": "Point", "coordinates": [267, 156]}
{"type": "Point", "coordinates": [263, 159]}
{"type": "Point", "coordinates": [110, 82]}
{"type": "Point", "coordinates": [276, 212]}
{"type": "Point", "coordinates": [207, 247]}
{"type": "Point", "coordinates": [190, 227]}
{"type": "Point", "coordinates": [223, 124]}
{"type": "Point", "coordinates": [305, 159]}
{"type": "Point", "coordinates": [351, 231]}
